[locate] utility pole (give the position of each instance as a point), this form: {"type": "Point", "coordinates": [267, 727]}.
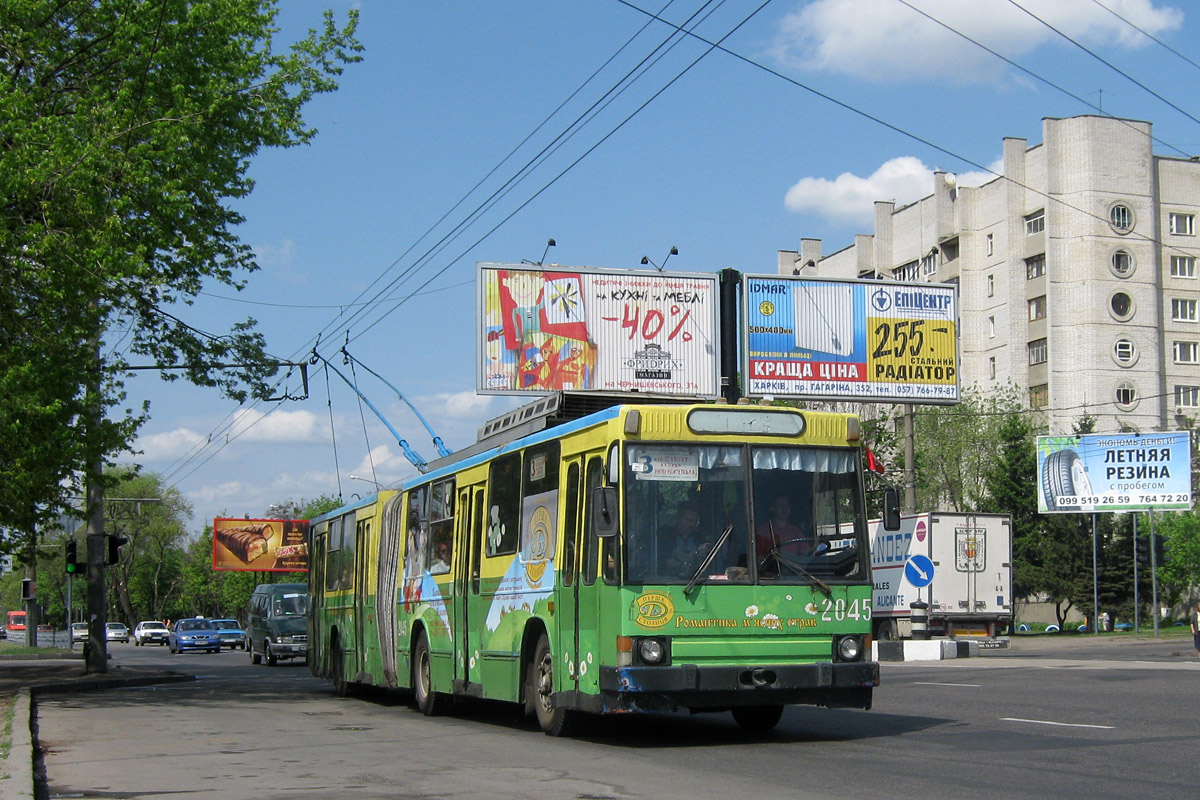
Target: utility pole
{"type": "Point", "coordinates": [96, 653]}
{"type": "Point", "coordinates": [910, 463]}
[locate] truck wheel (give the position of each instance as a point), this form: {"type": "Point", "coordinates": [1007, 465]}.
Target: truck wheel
{"type": "Point", "coordinates": [268, 655]}
{"type": "Point", "coordinates": [254, 657]}
{"type": "Point", "coordinates": [885, 630]}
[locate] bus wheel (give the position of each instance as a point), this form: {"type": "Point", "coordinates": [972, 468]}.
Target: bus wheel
{"type": "Point", "coordinates": [540, 687]}
{"type": "Point", "coordinates": [338, 670]}
{"type": "Point", "coordinates": [430, 703]}
{"type": "Point", "coordinates": [757, 719]}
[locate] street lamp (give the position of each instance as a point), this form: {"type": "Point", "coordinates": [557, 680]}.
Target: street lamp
{"type": "Point", "coordinates": [378, 485]}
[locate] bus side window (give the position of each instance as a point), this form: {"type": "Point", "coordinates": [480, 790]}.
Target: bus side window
{"type": "Point", "coordinates": [477, 522]}
{"type": "Point", "coordinates": [595, 475]}
{"type": "Point", "coordinates": [504, 505]}
{"type": "Point", "coordinates": [571, 526]}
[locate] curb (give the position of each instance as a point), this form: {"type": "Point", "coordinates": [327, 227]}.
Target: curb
{"type": "Point", "coordinates": [23, 755]}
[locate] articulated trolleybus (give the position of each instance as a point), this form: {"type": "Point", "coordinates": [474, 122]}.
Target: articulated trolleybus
{"type": "Point", "coordinates": [638, 558]}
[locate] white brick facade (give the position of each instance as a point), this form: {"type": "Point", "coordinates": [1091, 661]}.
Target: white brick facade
{"type": "Point", "coordinates": [1099, 319]}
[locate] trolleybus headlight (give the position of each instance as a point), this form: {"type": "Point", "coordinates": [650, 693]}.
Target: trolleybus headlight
{"type": "Point", "coordinates": [653, 650]}
{"type": "Point", "coordinates": [848, 648]}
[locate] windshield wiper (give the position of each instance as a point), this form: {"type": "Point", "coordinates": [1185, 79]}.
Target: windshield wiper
{"type": "Point", "coordinates": [781, 559]}
{"type": "Point", "coordinates": [700, 570]}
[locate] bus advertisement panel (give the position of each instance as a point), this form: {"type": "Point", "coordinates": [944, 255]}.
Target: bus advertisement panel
{"type": "Point", "coordinates": [544, 329]}
{"type": "Point", "coordinates": [639, 558]}
{"type": "Point", "coordinates": [260, 545]}
{"type": "Point", "coordinates": [850, 340]}
{"type": "Point", "coordinates": [1114, 472]}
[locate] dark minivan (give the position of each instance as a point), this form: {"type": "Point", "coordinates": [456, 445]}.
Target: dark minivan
{"type": "Point", "coordinates": [277, 624]}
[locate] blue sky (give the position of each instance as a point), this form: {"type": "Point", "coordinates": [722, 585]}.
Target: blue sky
{"type": "Point", "coordinates": [730, 158]}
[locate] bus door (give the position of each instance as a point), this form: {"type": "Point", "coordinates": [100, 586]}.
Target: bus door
{"type": "Point", "coordinates": [471, 613]}
{"type": "Point", "coordinates": [566, 631]}
{"type": "Point", "coordinates": [363, 595]}
{"type": "Point", "coordinates": [588, 587]}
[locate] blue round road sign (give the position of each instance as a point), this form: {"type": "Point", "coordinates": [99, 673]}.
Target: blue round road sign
{"type": "Point", "coordinates": [919, 571]}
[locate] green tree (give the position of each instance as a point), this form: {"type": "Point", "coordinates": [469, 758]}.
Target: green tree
{"type": "Point", "coordinates": [128, 127]}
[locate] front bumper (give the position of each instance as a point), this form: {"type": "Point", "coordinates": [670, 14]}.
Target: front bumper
{"type": "Point", "coordinates": [289, 649]}
{"type": "Point", "coordinates": [835, 685]}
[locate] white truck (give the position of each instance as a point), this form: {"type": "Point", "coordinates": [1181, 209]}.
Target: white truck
{"type": "Point", "coordinates": [969, 588]}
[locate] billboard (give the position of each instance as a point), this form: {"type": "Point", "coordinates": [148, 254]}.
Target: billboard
{"type": "Point", "coordinates": [260, 545]}
{"type": "Point", "coordinates": [545, 329]}
{"type": "Point", "coordinates": [850, 340]}
{"type": "Point", "coordinates": [1114, 472]}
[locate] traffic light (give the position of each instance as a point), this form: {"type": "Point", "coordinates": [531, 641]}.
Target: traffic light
{"type": "Point", "coordinates": [114, 547]}
{"type": "Point", "coordinates": [1160, 550]}
{"type": "Point", "coordinates": [72, 563]}
{"type": "Point", "coordinates": [1143, 550]}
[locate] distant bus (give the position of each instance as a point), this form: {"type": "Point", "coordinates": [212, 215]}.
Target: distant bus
{"type": "Point", "coordinates": [14, 622]}
{"type": "Point", "coordinates": [544, 570]}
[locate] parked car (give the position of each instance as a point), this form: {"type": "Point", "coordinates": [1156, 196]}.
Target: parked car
{"type": "Point", "coordinates": [196, 633]}
{"type": "Point", "coordinates": [231, 633]}
{"type": "Point", "coordinates": [79, 632]}
{"type": "Point", "coordinates": [116, 632]}
{"type": "Point", "coordinates": [150, 631]}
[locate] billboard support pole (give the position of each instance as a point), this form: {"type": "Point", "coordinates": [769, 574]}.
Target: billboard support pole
{"type": "Point", "coordinates": [1137, 616]}
{"type": "Point", "coordinates": [1095, 578]}
{"type": "Point", "coordinates": [729, 335]}
{"type": "Point", "coordinates": [1154, 571]}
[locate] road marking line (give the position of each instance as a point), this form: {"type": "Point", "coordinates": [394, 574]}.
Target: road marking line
{"type": "Point", "coordinates": [1059, 724]}
{"type": "Point", "coordinates": [930, 683]}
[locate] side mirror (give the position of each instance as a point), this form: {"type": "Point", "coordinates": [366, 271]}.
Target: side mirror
{"type": "Point", "coordinates": [605, 511]}
{"type": "Point", "coordinates": [891, 509]}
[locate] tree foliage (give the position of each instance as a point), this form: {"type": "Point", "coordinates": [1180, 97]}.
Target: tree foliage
{"type": "Point", "coordinates": [126, 131]}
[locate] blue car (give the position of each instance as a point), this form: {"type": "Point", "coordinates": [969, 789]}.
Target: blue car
{"type": "Point", "coordinates": [194, 634]}
{"type": "Point", "coordinates": [230, 632]}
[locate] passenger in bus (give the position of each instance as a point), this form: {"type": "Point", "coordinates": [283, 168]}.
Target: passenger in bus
{"type": "Point", "coordinates": [441, 564]}
{"type": "Point", "coordinates": [690, 547]}
{"type": "Point", "coordinates": [780, 534]}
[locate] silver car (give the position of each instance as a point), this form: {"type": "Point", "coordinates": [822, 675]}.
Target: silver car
{"type": "Point", "coordinates": [79, 632]}
{"type": "Point", "coordinates": [116, 632]}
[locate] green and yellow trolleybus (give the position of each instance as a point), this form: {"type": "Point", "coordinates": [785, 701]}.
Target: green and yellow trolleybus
{"type": "Point", "coordinates": [638, 558]}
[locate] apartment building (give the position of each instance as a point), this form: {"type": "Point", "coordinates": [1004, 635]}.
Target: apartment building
{"type": "Point", "coordinates": [1077, 272]}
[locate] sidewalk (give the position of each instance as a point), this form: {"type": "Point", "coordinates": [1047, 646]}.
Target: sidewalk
{"type": "Point", "coordinates": [25, 677]}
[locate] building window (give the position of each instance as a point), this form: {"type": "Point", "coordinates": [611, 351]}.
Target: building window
{"type": "Point", "coordinates": [991, 244]}
{"type": "Point", "coordinates": [1183, 310]}
{"type": "Point", "coordinates": [1038, 352]}
{"type": "Point", "coordinates": [991, 327]}
{"type": "Point", "coordinates": [1182, 224]}
{"type": "Point", "coordinates": [1037, 308]}
{"type": "Point", "coordinates": [1122, 263]}
{"type": "Point", "coordinates": [1121, 218]}
{"type": "Point", "coordinates": [1039, 396]}
{"type": "Point", "coordinates": [1035, 267]}
{"type": "Point", "coordinates": [1035, 222]}
{"type": "Point", "coordinates": [1124, 353]}
{"type": "Point", "coordinates": [929, 263]}
{"type": "Point", "coordinates": [1187, 353]}
{"type": "Point", "coordinates": [1183, 267]}
{"type": "Point", "coordinates": [991, 285]}
{"type": "Point", "coordinates": [908, 272]}
{"type": "Point", "coordinates": [1120, 305]}
{"type": "Point", "coordinates": [1187, 396]}
{"type": "Point", "coordinates": [992, 367]}
{"type": "Point", "coordinates": [1126, 395]}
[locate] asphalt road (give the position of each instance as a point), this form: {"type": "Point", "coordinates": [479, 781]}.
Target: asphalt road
{"type": "Point", "coordinates": [1068, 718]}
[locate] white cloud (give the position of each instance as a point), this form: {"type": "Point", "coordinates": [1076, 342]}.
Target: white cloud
{"type": "Point", "coordinates": [167, 446]}
{"type": "Point", "coordinates": [277, 426]}
{"type": "Point", "coordinates": [275, 255]}
{"type": "Point", "coordinates": [886, 41]}
{"type": "Point", "coordinates": [850, 199]}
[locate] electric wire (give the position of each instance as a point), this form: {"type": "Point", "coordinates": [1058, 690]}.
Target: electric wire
{"type": "Point", "coordinates": [1111, 66]}
{"type": "Point", "coordinates": [1147, 34]}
